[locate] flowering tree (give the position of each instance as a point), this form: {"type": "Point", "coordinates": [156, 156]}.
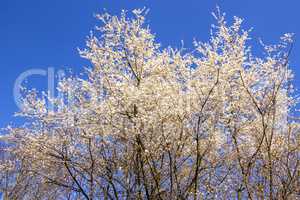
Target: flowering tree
{"type": "Point", "coordinates": [153, 123]}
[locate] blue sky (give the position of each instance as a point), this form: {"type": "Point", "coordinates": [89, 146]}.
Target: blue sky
{"type": "Point", "coordinates": [44, 33]}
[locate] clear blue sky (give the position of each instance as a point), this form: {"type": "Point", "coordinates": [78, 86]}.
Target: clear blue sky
{"type": "Point", "coordinates": [46, 33]}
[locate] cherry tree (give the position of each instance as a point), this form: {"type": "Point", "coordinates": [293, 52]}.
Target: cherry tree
{"type": "Point", "coordinates": [161, 123]}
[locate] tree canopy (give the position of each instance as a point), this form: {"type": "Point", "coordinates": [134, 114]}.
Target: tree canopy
{"type": "Point", "coordinates": [161, 123]}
